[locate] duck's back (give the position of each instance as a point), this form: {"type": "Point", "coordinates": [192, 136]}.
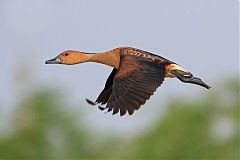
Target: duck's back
{"type": "Point", "coordinates": [144, 54]}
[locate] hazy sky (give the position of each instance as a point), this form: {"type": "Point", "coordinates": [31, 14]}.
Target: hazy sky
{"type": "Point", "coordinates": [200, 35]}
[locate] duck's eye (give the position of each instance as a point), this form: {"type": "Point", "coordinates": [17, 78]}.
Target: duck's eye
{"type": "Point", "coordinates": [66, 54]}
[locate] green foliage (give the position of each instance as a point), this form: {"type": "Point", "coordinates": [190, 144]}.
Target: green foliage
{"type": "Point", "coordinates": [44, 129]}
{"type": "Point", "coordinates": [187, 130]}
{"type": "Point", "coordinates": [185, 133]}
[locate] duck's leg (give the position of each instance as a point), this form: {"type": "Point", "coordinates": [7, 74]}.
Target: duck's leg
{"type": "Point", "coordinates": [187, 77]}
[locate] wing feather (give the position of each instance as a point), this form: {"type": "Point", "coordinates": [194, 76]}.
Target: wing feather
{"type": "Point", "coordinates": [133, 86]}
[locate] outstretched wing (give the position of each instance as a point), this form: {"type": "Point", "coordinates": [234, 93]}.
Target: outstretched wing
{"type": "Point", "coordinates": [135, 81]}
{"type": "Point", "coordinates": [106, 92]}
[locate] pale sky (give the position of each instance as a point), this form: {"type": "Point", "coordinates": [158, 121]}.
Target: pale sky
{"type": "Point", "coordinates": [200, 35]}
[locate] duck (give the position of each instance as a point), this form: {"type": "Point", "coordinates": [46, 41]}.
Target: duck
{"type": "Point", "coordinates": [135, 76]}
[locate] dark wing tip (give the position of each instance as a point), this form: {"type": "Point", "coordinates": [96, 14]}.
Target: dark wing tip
{"type": "Point", "coordinates": [90, 102]}
{"type": "Point", "coordinates": [122, 112]}
{"type": "Point", "coordinates": [101, 108]}
{"type": "Point", "coordinates": [115, 110]}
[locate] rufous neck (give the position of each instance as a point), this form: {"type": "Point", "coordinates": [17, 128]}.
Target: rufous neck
{"type": "Point", "coordinates": [110, 58]}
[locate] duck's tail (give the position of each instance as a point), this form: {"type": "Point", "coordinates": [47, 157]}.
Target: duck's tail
{"type": "Point", "coordinates": [173, 70]}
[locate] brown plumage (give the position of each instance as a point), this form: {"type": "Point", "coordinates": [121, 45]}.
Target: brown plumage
{"type": "Point", "coordinates": [135, 76]}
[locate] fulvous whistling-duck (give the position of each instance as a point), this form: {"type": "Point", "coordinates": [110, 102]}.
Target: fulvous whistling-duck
{"type": "Point", "coordinates": [135, 76]}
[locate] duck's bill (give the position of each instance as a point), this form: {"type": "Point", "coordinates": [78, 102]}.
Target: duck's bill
{"type": "Point", "coordinates": [55, 60]}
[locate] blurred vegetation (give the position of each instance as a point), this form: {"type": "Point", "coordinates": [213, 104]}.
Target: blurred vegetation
{"type": "Point", "coordinates": [200, 129]}
{"type": "Point", "coordinates": [192, 130]}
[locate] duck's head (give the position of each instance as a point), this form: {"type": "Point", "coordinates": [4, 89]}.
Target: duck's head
{"type": "Point", "coordinates": [69, 57]}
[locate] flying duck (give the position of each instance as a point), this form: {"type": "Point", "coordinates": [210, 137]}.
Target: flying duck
{"type": "Point", "coordinates": [135, 76]}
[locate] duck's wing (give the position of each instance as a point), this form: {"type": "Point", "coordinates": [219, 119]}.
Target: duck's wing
{"type": "Point", "coordinates": [106, 92]}
{"type": "Point", "coordinates": [134, 82]}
